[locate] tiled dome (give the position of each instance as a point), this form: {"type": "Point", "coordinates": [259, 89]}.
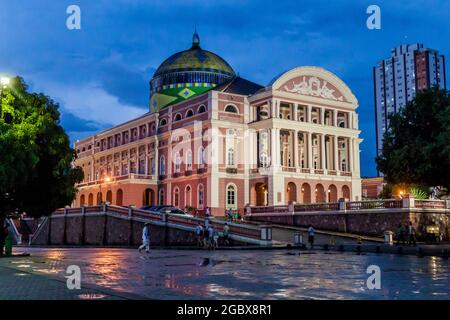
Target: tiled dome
{"type": "Point", "coordinates": [187, 74]}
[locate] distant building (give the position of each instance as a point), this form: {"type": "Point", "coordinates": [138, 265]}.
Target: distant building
{"type": "Point", "coordinates": [410, 68]}
{"type": "Point", "coordinates": [213, 139]}
{"type": "Point", "coordinates": [372, 187]}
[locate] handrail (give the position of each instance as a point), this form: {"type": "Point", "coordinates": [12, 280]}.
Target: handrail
{"type": "Point", "coordinates": [17, 234]}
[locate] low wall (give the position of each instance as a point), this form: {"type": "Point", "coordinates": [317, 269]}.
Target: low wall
{"type": "Point", "coordinates": [104, 228]}
{"type": "Point", "coordinates": [363, 223]}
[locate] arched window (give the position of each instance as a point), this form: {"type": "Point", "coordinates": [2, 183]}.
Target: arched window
{"type": "Point", "coordinates": [231, 157]}
{"type": "Point", "coordinates": [231, 197]}
{"type": "Point", "coordinates": [200, 155]}
{"type": "Point", "coordinates": [200, 196]}
{"type": "Point", "coordinates": [177, 162]}
{"type": "Point", "coordinates": [161, 197]}
{"type": "Point", "coordinates": [201, 109]}
{"type": "Point", "coordinates": [230, 108]}
{"type": "Point", "coordinates": [189, 160]}
{"type": "Point", "coordinates": [176, 197]}
{"type": "Point", "coordinates": [177, 117]}
{"type": "Point", "coordinates": [189, 113]}
{"type": "Point", "coordinates": [162, 165]}
{"type": "Point", "coordinates": [162, 122]}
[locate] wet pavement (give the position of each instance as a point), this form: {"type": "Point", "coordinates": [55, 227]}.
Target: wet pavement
{"type": "Point", "coordinates": [245, 274]}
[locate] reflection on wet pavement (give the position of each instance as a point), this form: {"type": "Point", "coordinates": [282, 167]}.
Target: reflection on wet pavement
{"type": "Point", "coordinates": [261, 274]}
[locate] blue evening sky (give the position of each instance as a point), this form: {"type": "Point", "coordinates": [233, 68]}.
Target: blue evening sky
{"type": "Point", "coordinates": [100, 74]}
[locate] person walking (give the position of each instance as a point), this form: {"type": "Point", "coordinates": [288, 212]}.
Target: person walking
{"type": "Point", "coordinates": [311, 232]}
{"type": "Point", "coordinates": [210, 237]}
{"type": "Point", "coordinates": [145, 238]}
{"type": "Point", "coordinates": [207, 212]}
{"type": "Point", "coordinates": [215, 239]}
{"type": "Point", "coordinates": [199, 233]}
{"type": "Point", "coordinates": [411, 235]}
{"type": "Point", "coordinates": [400, 234]}
{"type": "Point", "coordinates": [226, 233]}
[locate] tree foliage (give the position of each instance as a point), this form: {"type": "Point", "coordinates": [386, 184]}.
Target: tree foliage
{"type": "Point", "coordinates": [416, 146]}
{"type": "Point", "coordinates": [36, 173]}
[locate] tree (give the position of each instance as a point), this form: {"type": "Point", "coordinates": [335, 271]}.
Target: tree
{"type": "Point", "coordinates": [36, 172]}
{"type": "Point", "coordinates": [416, 146]}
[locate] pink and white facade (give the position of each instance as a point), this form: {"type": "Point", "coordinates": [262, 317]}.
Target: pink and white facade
{"type": "Point", "coordinates": [296, 139]}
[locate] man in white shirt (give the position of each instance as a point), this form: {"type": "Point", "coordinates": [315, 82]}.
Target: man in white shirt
{"type": "Point", "coordinates": [145, 238]}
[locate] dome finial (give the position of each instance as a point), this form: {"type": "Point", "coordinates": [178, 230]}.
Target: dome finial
{"type": "Point", "coordinates": [195, 39]}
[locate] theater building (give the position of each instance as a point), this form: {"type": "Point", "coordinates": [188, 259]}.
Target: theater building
{"type": "Point", "coordinates": [213, 139]}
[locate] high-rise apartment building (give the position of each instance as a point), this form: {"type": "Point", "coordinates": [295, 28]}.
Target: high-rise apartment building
{"type": "Point", "coordinates": [410, 68]}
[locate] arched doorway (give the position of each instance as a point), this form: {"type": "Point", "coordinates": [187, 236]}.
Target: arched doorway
{"type": "Point", "coordinates": [320, 193]}
{"type": "Point", "coordinates": [291, 192]}
{"type": "Point", "coordinates": [332, 193]}
{"type": "Point", "coordinates": [346, 192]}
{"type": "Point", "coordinates": [109, 196]}
{"type": "Point", "coordinates": [119, 197]}
{"type": "Point", "coordinates": [82, 200]}
{"type": "Point", "coordinates": [261, 194]}
{"type": "Point", "coordinates": [188, 196]}
{"type": "Point", "coordinates": [91, 199]}
{"type": "Point", "coordinates": [148, 197]}
{"type": "Point", "coordinates": [99, 198]}
{"type": "Point", "coordinates": [176, 197]}
{"type": "Point", "coordinates": [306, 193]}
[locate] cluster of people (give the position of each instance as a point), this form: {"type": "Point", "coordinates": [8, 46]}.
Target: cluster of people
{"type": "Point", "coordinates": [231, 215]}
{"type": "Point", "coordinates": [406, 233]}
{"type": "Point", "coordinates": [208, 236]}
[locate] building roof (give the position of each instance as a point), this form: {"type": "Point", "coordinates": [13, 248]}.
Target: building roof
{"type": "Point", "coordinates": [239, 85]}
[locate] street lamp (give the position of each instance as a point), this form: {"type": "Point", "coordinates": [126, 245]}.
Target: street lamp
{"type": "Point", "coordinates": [4, 82]}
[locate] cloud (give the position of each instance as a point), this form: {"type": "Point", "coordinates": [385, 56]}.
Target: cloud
{"type": "Point", "coordinates": [90, 102]}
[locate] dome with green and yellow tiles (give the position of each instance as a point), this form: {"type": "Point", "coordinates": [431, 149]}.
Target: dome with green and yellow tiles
{"type": "Point", "coordinates": [187, 74]}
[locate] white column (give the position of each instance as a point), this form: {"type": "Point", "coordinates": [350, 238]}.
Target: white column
{"type": "Point", "coordinates": [336, 153]}
{"type": "Point", "coordinates": [296, 157]}
{"type": "Point", "coordinates": [309, 151]}
{"type": "Point", "coordinates": [322, 151]}
{"type": "Point", "coordinates": [273, 147]}
{"type": "Point", "coordinates": [335, 117]}
{"type": "Point", "coordinates": [294, 112]}
{"type": "Point", "coordinates": [322, 116]}
{"type": "Point", "coordinates": [308, 116]}
{"type": "Point", "coordinates": [350, 153]}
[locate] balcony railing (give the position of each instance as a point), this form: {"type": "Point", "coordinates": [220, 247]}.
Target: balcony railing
{"type": "Point", "coordinates": [374, 204]}
{"type": "Point", "coordinates": [430, 204]}
{"type": "Point", "coordinates": [407, 203]}
{"type": "Point", "coordinates": [327, 206]}
{"type": "Point", "coordinates": [131, 176]}
{"type": "Point", "coordinates": [289, 169]}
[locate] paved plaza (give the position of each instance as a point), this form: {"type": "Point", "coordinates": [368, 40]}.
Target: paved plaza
{"type": "Point", "coordinates": [109, 273]}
